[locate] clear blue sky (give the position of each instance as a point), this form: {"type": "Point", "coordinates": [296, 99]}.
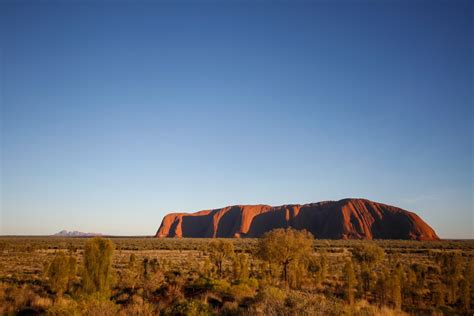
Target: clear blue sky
{"type": "Point", "coordinates": [116, 113]}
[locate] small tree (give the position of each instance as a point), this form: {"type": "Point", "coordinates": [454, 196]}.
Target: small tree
{"type": "Point", "coordinates": [72, 265]}
{"type": "Point", "coordinates": [154, 265]}
{"type": "Point", "coordinates": [382, 286]}
{"type": "Point", "coordinates": [131, 261]}
{"type": "Point", "coordinates": [285, 246]}
{"type": "Point", "coordinates": [97, 273]}
{"type": "Point", "coordinates": [439, 293]}
{"type": "Point", "coordinates": [244, 267]}
{"type": "Point", "coordinates": [240, 267]}
{"type": "Point", "coordinates": [220, 250]}
{"type": "Point", "coordinates": [451, 269]}
{"type": "Point", "coordinates": [236, 267]}
{"type": "Point", "coordinates": [207, 268]}
{"type": "Point", "coordinates": [349, 281]}
{"type": "Point", "coordinates": [145, 269]}
{"type": "Point", "coordinates": [150, 278]}
{"type": "Point", "coordinates": [368, 253]}
{"type": "Point", "coordinates": [465, 294]}
{"type": "Point", "coordinates": [367, 278]}
{"type": "Point", "coordinates": [317, 267]}
{"type": "Point", "coordinates": [396, 287]}
{"type": "Point", "coordinates": [58, 273]}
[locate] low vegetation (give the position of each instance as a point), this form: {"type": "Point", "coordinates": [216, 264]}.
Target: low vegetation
{"type": "Point", "coordinates": [286, 272]}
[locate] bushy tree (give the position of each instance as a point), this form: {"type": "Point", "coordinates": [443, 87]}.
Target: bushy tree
{"type": "Point", "coordinates": [439, 293]}
{"type": "Point", "coordinates": [284, 247]}
{"type": "Point", "coordinates": [240, 267]}
{"type": "Point", "coordinates": [349, 281]}
{"type": "Point", "coordinates": [97, 273]}
{"type": "Point", "coordinates": [468, 286]}
{"type": "Point", "coordinates": [188, 308]}
{"type": "Point", "coordinates": [219, 251]}
{"type": "Point", "coordinates": [150, 277]}
{"type": "Point", "coordinates": [368, 253]}
{"type": "Point", "coordinates": [72, 265]}
{"type": "Point", "coordinates": [145, 269]}
{"type": "Point", "coordinates": [465, 294]}
{"type": "Point", "coordinates": [382, 286]}
{"type": "Point", "coordinates": [451, 270]}
{"type": "Point", "coordinates": [395, 287]}
{"type": "Point", "coordinates": [58, 273]}
{"type": "Point", "coordinates": [317, 267]}
{"type": "Point", "coordinates": [366, 279]}
{"type": "Point", "coordinates": [411, 285]}
{"type": "Point", "coordinates": [207, 267]}
{"type": "Point", "coordinates": [132, 260]}
{"type": "Point", "coordinates": [298, 274]}
{"type": "Point", "coordinates": [154, 265]}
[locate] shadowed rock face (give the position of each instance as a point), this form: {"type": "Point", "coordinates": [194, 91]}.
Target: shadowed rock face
{"type": "Point", "coordinates": [344, 219]}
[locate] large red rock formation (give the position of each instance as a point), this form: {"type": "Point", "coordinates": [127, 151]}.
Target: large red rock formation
{"type": "Point", "coordinates": [344, 219]}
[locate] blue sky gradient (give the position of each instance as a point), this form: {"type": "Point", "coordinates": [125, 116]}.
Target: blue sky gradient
{"type": "Point", "coordinates": [116, 113]}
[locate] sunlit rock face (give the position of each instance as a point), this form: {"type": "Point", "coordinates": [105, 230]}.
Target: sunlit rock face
{"type": "Point", "coordinates": [344, 219]}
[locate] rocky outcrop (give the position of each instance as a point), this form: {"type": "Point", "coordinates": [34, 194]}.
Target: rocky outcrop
{"type": "Point", "coordinates": [344, 219]}
{"type": "Point", "coordinates": [75, 233]}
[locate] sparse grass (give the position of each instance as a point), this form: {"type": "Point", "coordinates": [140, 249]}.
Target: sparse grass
{"type": "Point", "coordinates": [180, 277]}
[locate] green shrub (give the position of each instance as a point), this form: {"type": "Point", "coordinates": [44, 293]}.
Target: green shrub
{"type": "Point", "coordinates": [188, 308]}
{"type": "Point", "coordinates": [58, 273]}
{"type": "Point", "coordinates": [241, 290]}
{"type": "Point", "coordinates": [368, 253]}
{"type": "Point", "coordinates": [64, 307]}
{"type": "Point", "coordinates": [97, 273]}
{"type": "Point", "coordinates": [138, 309]}
{"type": "Point", "coordinates": [98, 306]}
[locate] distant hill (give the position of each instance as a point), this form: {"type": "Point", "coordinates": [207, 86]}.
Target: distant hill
{"type": "Point", "coordinates": [344, 219]}
{"type": "Point", "coordinates": [65, 233]}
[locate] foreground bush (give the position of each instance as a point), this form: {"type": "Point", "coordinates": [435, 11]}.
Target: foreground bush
{"type": "Point", "coordinates": [189, 308]}
{"type": "Point", "coordinates": [60, 272]}
{"type": "Point", "coordinates": [284, 247]}
{"type": "Point", "coordinates": [219, 251]}
{"type": "Point", "coordinates": [89, 305]}
{"type": "Point", "coordinates": [97, 274]}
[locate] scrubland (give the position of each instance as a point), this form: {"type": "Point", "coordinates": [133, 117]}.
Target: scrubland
{"type": "Point", "coordinates": [285, 273]}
